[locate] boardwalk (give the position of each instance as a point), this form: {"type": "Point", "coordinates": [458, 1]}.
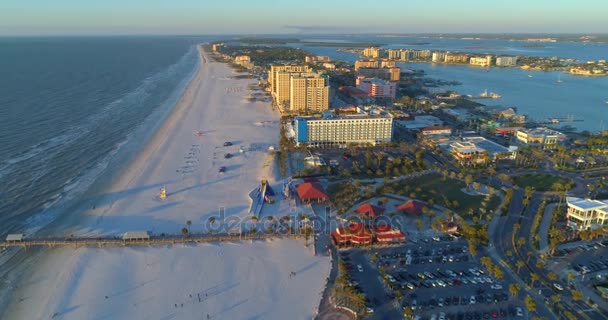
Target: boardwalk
{"type": "Point", "coordinates": [152, 241]}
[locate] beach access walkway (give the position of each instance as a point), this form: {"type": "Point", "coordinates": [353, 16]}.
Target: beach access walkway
{"type": "Point", "coordinates": [151, 241]}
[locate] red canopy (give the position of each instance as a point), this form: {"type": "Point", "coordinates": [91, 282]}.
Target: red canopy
{"type": "Point", "coordinates": [412, 207]}
{"type": "Point", "coordinates": [311, 191]}
{"type": "Point", "coordinates": [369, 210]}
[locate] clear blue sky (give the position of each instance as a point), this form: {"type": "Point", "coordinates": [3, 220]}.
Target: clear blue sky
{"type": "Point", "coordinates": [75, 17]}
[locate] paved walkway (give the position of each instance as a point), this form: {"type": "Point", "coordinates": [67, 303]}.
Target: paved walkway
{"type": "Point", "coordinates": [545, 225]}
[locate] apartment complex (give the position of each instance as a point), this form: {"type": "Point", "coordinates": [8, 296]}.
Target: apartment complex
{"type": "Point", "coordinates": [371, 52]}
{"type": "Point", "coordinates": [506, 61]}
{"type": "Point", "coordinates": [275, 69]}
{"type": "Point", "coordinates": [309, 92]}
{"type": "Point", "coordinates": [244, 61]}
{"type": "Point", "coordinates": [394, 54]}
{"type": "Point", "coordinates": [313, 59]}
{"type": "Point", "coordinates": [329, 129]}
{"type": "Point", "coordinates": [388, 74]}
{"type": "Point", "coordinates": [387, 63]}
{"type": "Point", "coordinates": [456, 58]}
{"type": "Point", "coordinates": [586, 214]}
{"type": "Point", "coordinates": [377, 88]}
{"type": "Point", "coordinates": [481, 61]}
{"type": "Point", "coordinates": [544, 137]}
{"type": "Point", "coordinates": [366, 64]}
{"type": "Point", "coordinates": [438, 57]}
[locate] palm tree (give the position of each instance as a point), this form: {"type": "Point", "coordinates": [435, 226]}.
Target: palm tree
{"type": "Point", "coordinates": [514, 289]}
{"type": "Point", "coordinates": [520, 264]}
{"type": "Point", "coordinates": [521, 241]}
{"type": "Point", "coordinates": [185, 232]}
{"type": "Point", "coordinates": [533, 278]}
{"type": "Point", "coordinates": [530, 304]}
{"type": "Point", "coordinates": [577, 295]}
{"type": "Point", "coordinates": [552, 276]}
{"type": "Point", "coordinates": [188, 223]}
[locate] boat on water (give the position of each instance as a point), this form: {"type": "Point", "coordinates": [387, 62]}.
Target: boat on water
{"type": "Point", "coordinates": [559, 79]}
{"type": "Point", "coordinates": [485, 95]}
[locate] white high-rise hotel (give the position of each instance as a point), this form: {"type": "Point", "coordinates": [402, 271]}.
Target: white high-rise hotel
{"type": "Point", "coordinates": [329, 129]}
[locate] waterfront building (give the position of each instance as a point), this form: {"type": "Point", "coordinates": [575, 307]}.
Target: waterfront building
{"type": "Point", "coordinates": [422, 54]}
{"type": "Point", "coordinates": [481, 61]}
{"type": "Point", "coordinates": [407, 55]}
{"type": "Point", "coordinates": [544, 137]}
{"type": "Point", "coordinates": [309, 92]}
{"type": "Point", "coordinates": [377, 88]}
{"type": "Point", "coordinates": [506, 61]}
{"type": "Point", "coordinates": [366, 64]}
{"type": "Point", "coordinates": [329, 66]}
{"type": "Point", "coordinates": [275, 69]}
{"type": "Point", "coordinates": [584, 214]}
{"type": "Point", "coordinates": [314, 59]}
{"type": "Point", "coordinates": [456, 58]}
{"type": "Point", "coordinates": [244, 61]}
{"type": "Point", "coordinates": [371, 52]}
{"type": "Point", "coordinates": [387, 63]}
{"type": "Point", "coordinates": [330, 129]}
{"type": "Point", "coordinates": [388, 74]}
{"type": "Point", "coordinates": [438, 57]}
{"type": "Point", "coordinates": [394, 54]}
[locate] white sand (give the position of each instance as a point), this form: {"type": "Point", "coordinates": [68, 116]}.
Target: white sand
{"type": "Point", "coordinates": [242, 281]}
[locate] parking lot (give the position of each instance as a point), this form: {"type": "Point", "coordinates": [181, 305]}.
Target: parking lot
{"type": "Point", "coordinates": [433, 279]}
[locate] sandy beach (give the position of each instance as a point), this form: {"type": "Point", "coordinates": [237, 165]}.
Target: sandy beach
{"type": "Point", "coordinates": [216, 281]}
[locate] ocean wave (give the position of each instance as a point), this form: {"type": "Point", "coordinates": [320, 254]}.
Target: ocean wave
{"type": "Point", "coordinates": [72, 188]}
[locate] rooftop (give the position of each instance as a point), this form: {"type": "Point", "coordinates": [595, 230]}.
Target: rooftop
{"type": "Point", "coordinates": [540, 131]}
{"type": "Point", "coordinates": [374, 112]}
{"type": "Point", "coordinates": [587, 204]}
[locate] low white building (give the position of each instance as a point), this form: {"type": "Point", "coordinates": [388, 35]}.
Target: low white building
{"type": "Point", "coordinates": [506, 61]}
{"type": "Point", "coordinates": [586, 214]}
{"type": "Point", "coordinates": [539, 136]}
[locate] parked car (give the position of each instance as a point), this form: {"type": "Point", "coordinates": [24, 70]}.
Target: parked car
{"type": "Point", "coordinates": [360, 268]}
{"type": "Point", "coordinates": [222, 169]}
{"type": "Point", "coordinates": [227, 144]}
{"type": "Point", "coordinates": [227, 156]}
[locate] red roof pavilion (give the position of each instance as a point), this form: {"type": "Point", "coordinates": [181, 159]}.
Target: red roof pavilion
{"type": "Point", "coordinates": [311, 191]}
{"type": "Point", "coordinates": [369, 210]}
{"type": "Point", "coordinates": [412, 207]}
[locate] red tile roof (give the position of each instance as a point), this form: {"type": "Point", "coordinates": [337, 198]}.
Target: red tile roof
{"type": "Point", "coordinates": [412, 207]}
{"type": "Point", "coordinates": [369, 210]}
{"type": "Point", "coordinates": [310, 191]}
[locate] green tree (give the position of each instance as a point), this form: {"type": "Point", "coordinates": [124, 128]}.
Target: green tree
{"type": "Point", "coordinates": [514, 289]}
{"type": "Point", "coordinates": [533, 278]}
{"type": "Point", "coordinates": [530, 304]}
{"type": "Point", "coordinates": [520, 264]}
{"type": "Point", "coordinates": [577, 295]}
{"type": "Point", "coordinates": [188, 223]}
{"type": "Point", "coordinates": [185, 232]}
{"type": "Point", "coordinates": [552, 276]}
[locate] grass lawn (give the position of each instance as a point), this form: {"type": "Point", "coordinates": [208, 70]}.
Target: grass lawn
{"type": "Point", "coordinates": [538, 181]}
{"type": "Point", "coordinates": [446, 193]}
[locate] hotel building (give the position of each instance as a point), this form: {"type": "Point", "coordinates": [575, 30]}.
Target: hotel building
{"type": "Point", "coordinates": [506, 61]}
{"type": "Point", "coordinates": [481, 61]}
{"type": "Point", "coordinates": [371, 52]}
{"type": "Point", "coordinates": [438, 57]}
{"type": "Point", "coordinates": [275, 69]}
{"type": "Point", "coordinates": [309, 92]}
{"type": "Point", "coordinates": [329, 129]}
{"type": "Point", "coordinates": [366, 64]}
{"type": "Point", "coordinates": [456, 58]}
{"type": "Point", "coordinates": [377, 88]}
{"type": "Point", "coordinates": [586, 214]}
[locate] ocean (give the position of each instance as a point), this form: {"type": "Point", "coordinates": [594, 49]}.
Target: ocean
{"type": "Point", "coordinates": [539, 97]}
{"type": "Point", "coordinates": [75, 109]}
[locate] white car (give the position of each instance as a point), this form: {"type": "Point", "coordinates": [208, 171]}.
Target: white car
{"type": "Point", "coordinates": [472, 300]}
{"type": "Point", "coordinates": [441, 283]}
{"type": "Point", "coordinates": [558, 286]}
{"type": "Point", "coordinates": [441, 316]}
{"type": "Point", "coordinates": [360, 268]}
{"type": "Point", "coordinates": [370, 310]}
{"type": "Point", "coordinates": [496, 286]}
{"type": "Point", "coordinates": [519, 312]}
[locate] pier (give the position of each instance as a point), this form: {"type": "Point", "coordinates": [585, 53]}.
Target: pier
{"type": "Point", "coordinates": [151, 241]}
